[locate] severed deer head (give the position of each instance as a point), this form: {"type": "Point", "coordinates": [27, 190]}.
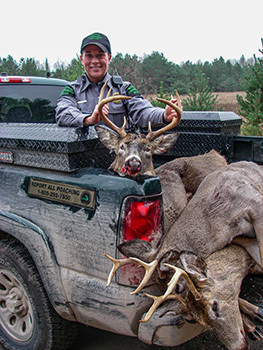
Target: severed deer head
{"type": "Point", "coordinates": [134, 151]}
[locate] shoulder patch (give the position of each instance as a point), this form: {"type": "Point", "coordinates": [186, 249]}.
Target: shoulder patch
{"type": "Point", "coordinates": [132, 91]}
{"type": "Point", "coordinates": [68, 91]}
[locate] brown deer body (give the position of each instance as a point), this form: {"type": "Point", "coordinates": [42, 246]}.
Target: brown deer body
{"type": "Point", "coordinates": [227, 204]}
{"type": "Point", "coordinates": [180, 179]}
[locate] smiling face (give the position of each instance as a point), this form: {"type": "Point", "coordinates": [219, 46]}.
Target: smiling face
{"type": "Point", "coordinates": [95, 62]}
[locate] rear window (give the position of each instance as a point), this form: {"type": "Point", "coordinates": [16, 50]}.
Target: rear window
{"type": "Point", "coordinates": [28, 103]}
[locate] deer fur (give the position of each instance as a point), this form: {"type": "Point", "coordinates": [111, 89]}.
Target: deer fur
{"type": "Point", "coordinates": [134, 151]}
{"type": "Point", "coordinates": [227, 204]}
{"type": "Point", "coordinates": [218, 279]}
{"type": "Point", "coordinates": [180, 179]}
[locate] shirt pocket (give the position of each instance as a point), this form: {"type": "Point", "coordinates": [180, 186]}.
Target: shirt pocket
{"type": "Point", "coordinates": [117, 108]}
{"type": "Point", "coordinates": [85, 107]}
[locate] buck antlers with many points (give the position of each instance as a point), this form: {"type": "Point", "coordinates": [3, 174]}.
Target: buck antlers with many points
{"type": "Point", "coordinates": [121, 131]}
{"type": "Point", "coordinates": [149, 271]}
{"type": "Point", "coordinates": [219, 309]}
{"type": "Point", "coordinates": [134, 151]}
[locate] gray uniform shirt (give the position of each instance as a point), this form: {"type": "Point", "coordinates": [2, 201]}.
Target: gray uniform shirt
{"type": "Point", "coordinates": [78, 100]}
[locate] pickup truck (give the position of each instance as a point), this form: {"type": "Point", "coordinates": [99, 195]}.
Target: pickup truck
{"type": "Point", "coordinates": [61, 210]}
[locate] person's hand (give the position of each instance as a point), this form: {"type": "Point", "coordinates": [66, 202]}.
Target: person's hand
{"type": "Point", "coordinates": [95, 117]}
{"type": "Point", "coordinates": [169, 112]}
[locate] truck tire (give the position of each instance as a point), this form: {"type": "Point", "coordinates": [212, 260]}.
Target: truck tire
{"type": "Point", "coordinates": [27, 318]}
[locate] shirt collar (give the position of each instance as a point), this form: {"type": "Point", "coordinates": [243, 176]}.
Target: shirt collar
{"type": "Point", "coordinates": [86, 82]}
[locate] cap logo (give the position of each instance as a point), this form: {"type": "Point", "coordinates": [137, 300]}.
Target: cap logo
{"type": "Point", "coordinates": [94, 36]}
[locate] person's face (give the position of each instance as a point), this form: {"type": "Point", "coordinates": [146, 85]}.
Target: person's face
{"type": "Point", "coordinates": [95, 62]}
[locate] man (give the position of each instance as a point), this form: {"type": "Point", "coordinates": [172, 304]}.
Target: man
{"type": "Point", "coordinates": [78, 102]}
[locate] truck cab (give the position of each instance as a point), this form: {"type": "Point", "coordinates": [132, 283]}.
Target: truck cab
{"type": "Point", "coordinates": [29, 99]}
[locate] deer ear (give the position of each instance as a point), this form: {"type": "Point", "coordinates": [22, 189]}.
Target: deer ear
{"type": "Point", "coordinates": [194, 266]}
{"type": "Point", "coordinates": [108, 137]}
{"type": "Point", "coordinates": [163, 142]}
{"type": "Point", "coordinates": [137, 248]}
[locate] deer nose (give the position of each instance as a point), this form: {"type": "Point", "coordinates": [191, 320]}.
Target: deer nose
{"type": "Point", "coordinates": [133, 165]}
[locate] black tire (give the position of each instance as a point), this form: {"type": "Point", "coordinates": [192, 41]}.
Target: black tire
{"type": "Point", "coordinates": [27, 318]}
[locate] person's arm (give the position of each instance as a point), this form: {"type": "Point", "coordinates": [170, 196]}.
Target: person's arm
{"type": "Point", "coordinates": [142, 111]}
{"type": "Point", "coordinates": [95, 117]}
{"type": "Point", "coordinates": [68, 113]}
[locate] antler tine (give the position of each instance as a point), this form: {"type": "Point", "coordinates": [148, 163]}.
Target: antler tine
{"type": "Point", "coordinates": [175, 121]}
{"type": "Point", "coordinates": [149, 268]}
{"type": "Point", "coordinates": [169, 291]}
{"type": "Point", "coordinates": [103, 90]}
{"type": "Point", "coordinates": [120, 131]}
{"type": "Point", "coordinates": [178, 273]}
{"type": "Point", "coordinates": [116, 265]}
{"type": "Point", "coordinates": [158, 301]}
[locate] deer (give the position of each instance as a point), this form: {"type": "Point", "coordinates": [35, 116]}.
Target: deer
{"type": "Point", "coordinates": [134, 151]}
{"type": "Point", "coordinates": [225, 210]}
{"type": "Point", "coordinates": [210, 293]}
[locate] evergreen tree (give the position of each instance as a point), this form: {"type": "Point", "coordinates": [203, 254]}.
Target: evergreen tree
{"type": "Point", "coordinates": [28, 67]}
{"type": "Point", "coordinates": [161, 94]}
{"type": "Point", "coordinates": [70, 72]}
{"type": "Point", "coordinates": [9, 66]}
{"type": "Point", "coordinates": [156, 68]}
{"type": "Point", "coordinates": [200, 97]}
{"type": "Point", "coordinates": [251, 107]}
{"type": "Point", "coordinates": [130, 69]}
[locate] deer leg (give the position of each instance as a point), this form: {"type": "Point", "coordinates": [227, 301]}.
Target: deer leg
{"type": "Point", "coordinates": [252, 246]}
{"type": "Point", "coordinates": [253, 332]}
{"type": "Point", "coordinates": [255, 313]}
{"type": "Point", "coordinates": [259, 234]}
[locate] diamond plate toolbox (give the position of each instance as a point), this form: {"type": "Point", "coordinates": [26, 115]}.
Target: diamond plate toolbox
{"type": "Point", "coordinates": [202, 131]}
{"type": "Point", "coordinates": [49, 146]}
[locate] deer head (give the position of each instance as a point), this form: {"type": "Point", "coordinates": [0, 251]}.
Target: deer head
{"type": "Point", "coordinates": [134, 151]}
{"type": "Point", "coordinates": [210, 293]}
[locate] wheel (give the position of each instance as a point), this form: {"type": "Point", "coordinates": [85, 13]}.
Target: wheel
{"type": "Point", "coordinates": [27, 318]}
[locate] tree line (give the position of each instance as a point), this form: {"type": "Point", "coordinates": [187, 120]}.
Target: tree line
{"type": "Point", "coordinates": [148, 74]}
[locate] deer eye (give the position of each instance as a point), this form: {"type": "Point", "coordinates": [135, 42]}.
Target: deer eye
{"type": "Point", "coordinates": [147, 149]}
{"type": "Point", "coordinates": [215, 307]}
{"type": "Point", "coordinates": [122, 147]}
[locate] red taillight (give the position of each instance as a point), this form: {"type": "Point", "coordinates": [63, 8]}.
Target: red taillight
{"type": "Point", "coordinates": [142, 220]}
{"type": "Point", "coordinates": [6, 79]}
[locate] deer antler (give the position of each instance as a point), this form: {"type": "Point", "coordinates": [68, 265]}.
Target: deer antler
{"type": "Point", "coordinates": [168, 294]}
{"type": "Point", "coordinates": [175, 121]}
{"type": "Point", "coordinates": [149, 269]}
{"type": "Point", "coordinates": [120, 131]}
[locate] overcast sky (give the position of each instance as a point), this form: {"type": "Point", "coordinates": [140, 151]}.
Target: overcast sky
{"type": "Point", "coordinates": [181, 30]}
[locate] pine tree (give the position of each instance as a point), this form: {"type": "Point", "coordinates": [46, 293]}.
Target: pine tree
{"type": "Point", "coordinates": [251, 108]}
{"type": "Point", "coordinates": [200, 96]}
